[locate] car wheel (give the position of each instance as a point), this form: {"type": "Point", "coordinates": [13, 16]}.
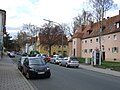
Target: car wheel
{"type": "Point", "coordinates": [66, 65]}
{"type": "Point", "coordinates": [60, 64]}
{"type": "Point", "coordinates": [23, 72]}
{"type": "Point", "coordinates": [28, 75]}
{"type": "Point", "coordinates": [77, 66]}
{"type": "Point", "coordinates": [48, 75]}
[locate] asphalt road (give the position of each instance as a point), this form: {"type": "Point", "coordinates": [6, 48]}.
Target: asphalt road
{"type": "Point", "coordinates": [63, 78]}
{"type": "Point", "coordinates": [76, 79]}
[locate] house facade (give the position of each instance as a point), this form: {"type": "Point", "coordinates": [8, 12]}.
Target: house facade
{"type": "Point", "coordinates": [91, 37]}
{"type": "Point", "coordinates": [55, 49]}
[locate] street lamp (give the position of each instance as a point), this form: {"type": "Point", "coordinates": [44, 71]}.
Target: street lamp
{"type": "Point", "coordinates": [60, 28]}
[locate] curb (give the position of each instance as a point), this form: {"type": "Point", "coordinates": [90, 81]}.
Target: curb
{"type": "Point", "coordinates": [31, 87]}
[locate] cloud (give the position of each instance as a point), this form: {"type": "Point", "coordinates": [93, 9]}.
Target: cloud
{"type": "Point", "coordinates": [19, 12]}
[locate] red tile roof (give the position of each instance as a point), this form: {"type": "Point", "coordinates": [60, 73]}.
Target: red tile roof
{"type": "Point", "coordinates": [93, 29]}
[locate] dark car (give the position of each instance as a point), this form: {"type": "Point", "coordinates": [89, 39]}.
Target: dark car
{"type": "Point", "coordinates": [35, 67]}
{"type": "Point", "coordinates": [20, 63]}
{"type": "Point", "coordinates": [11, 54]}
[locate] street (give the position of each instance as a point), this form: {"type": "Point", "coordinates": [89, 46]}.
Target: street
{"type": "Point", "coordinates": [63, 78]}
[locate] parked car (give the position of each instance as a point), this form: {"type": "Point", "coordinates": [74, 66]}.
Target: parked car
{"type": "Point", "coordinates": [20, 63]}
{"type": "Point", "coordinates": [11, 54]}
{"type": "Point", "coordinates": [56, 59]}
{"type": "Point", "coordinates": [24, 54]}
{"type": "Point", "coordinates": [70, 62]}
{"type": "Point", "coordinates": [35, 67]}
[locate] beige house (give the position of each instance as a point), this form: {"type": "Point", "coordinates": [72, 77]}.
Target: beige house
{"type": "Point", "coordinates": [90, 37]}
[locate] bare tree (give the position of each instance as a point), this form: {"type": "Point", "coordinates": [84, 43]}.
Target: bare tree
{"type": "Point", "coordinates": [84, 19]}
{"type": "Point", "coordinates": [50, 35]}
{"type": "Point", "coordinates": [66, 29]}
{"type": "Point", "coordinates": [100, 7]}
{"type": "Point", "coordinates": [32, 31]}
{"type": "Point", "coordinates": [21, 38]}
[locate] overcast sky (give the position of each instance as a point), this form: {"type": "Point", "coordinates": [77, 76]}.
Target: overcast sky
{"type": "Point", "coordinates": [19, 12]}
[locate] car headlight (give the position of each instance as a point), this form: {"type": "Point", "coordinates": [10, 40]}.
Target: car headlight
{"type": "Point", "coordinates": [48, 68]}
{"type": "Point", "coordinates": [31, 69]}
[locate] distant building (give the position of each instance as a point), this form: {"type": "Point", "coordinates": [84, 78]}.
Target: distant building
{"type": "Point", "coordinates": [87, 38]}
{"type": "Point", "coordinates": [55, 49]}
{"type": "Point", "coordinates": [2, 27]}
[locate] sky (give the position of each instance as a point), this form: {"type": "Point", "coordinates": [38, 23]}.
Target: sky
{"type": "Point", "coordinates": [19, 12]}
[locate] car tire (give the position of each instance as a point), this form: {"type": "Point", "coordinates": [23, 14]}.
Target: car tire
{"type": "Point", "coordinates": [22, 72]}
{"type": "Point", "coordinates": [28, 76]}
{"type": "Point", "coordinates": [60, 64]}
{"type": "Point", "coordinates": [48, 75]}
{"type": "Point", "coordinates": [77, 66]}
{"type": "Point", "coordinates": [66, 65]}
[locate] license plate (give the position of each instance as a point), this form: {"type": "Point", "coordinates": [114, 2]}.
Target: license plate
{"type": "Point", "coordinates": [41, 72]}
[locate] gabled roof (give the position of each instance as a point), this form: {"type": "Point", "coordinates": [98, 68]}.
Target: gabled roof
{"type": "Point", "coordinates": [43, 39]}
{"type": "Point", "coordinates": [93, 30]}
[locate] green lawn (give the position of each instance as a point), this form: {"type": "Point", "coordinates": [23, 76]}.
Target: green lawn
{"type": "Point", "coordinates": [110, 65]}
{"type": "Point", "coordinates": [105, 64]}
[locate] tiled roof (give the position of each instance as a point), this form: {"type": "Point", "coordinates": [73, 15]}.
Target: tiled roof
{"type": "Point", "coordinates": [43, 39]}
{"type": "Point", "coordinates": [92, 30]}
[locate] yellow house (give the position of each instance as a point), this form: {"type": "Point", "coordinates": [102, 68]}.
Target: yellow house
{"type": "Point", "coordinates": [55, 49]}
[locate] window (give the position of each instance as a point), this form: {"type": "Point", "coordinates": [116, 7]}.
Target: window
{"type": "Point", "coordinates": [108, 37]}
{"type": "Point", "coordinates": [85, 50]}
{"type": "Point", "coordinates": [90, 50]}
{"type": "Point", "coordinates": [64, 46]}
{"type": "Point", "coordinates": [114, 37]}
{"type": "Point", "coordinates": [85, 41]}
{"type": "Point", "coordinates": [118, 25]}
{"type": "Point", "coordinates": [96, 39]}
{"type": "Point", "coordinates": [59, 46]}
{"type": "Point", "coordinates": [74, 42]}
{"type": "Point", "coordinates": [115, 50]}
{"type": "Point", "coordinates": [90, 40]}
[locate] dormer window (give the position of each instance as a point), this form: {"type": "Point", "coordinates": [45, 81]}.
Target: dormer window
{"type": "Point", "coordinates": [118, 25]}
{"type": "Point", "coordinates": [89, 31]}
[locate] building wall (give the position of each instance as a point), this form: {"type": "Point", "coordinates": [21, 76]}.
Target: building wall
{"type": "Point", "coordinates": [56, 48]}
{"type": "Point", "coordinates": [70, 48]}
{"type": "Point", "coordinates": [110, 44]}
{"type": "Point", "coordinates": [87, 44]}
{"type": "Point", "coordinates": [76, 50]}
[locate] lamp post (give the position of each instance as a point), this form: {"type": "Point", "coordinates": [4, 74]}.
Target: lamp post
{"type": "Point", "coordinates": [60, 28]}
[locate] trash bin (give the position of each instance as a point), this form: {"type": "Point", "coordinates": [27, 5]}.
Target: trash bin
{"type": "Point", "coordinates": [87, 61]}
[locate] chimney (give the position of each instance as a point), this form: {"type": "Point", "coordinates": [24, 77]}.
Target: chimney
{"type": "Point", "coordinates": [82, 27]}
{"type": "Point", "coordinates": [119, 12]}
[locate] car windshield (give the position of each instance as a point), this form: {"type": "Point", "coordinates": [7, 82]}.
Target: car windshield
{"type": "Point", "coordinates": [38, 61]}
{"type": "Point", "coordinates": [61, 56]}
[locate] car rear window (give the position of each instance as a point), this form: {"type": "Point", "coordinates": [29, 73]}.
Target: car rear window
{"type": "Point", "coordinates": [73, 58]}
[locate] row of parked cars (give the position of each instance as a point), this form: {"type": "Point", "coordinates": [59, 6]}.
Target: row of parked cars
{"type": "Point", "coordinates": [65, 61]}
{"type": "Point", "coordinates": [33, 67]}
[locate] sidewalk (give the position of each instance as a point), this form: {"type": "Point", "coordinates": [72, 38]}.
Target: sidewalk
{"type": "Point", "coordinates": [10, 77]}
{"type": "Point", "coordinates": [106, 71]}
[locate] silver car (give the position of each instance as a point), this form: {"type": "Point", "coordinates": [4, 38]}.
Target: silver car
{"type": "Point", "coordinates": [70, 62]}
{"type": "Point", "coordinates": [56, 59]}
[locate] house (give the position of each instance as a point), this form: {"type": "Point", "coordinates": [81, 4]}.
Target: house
{"type": "Point", "coordinates": [91, 37]}
{"type": "Point", "coordinates": [56, 48]}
